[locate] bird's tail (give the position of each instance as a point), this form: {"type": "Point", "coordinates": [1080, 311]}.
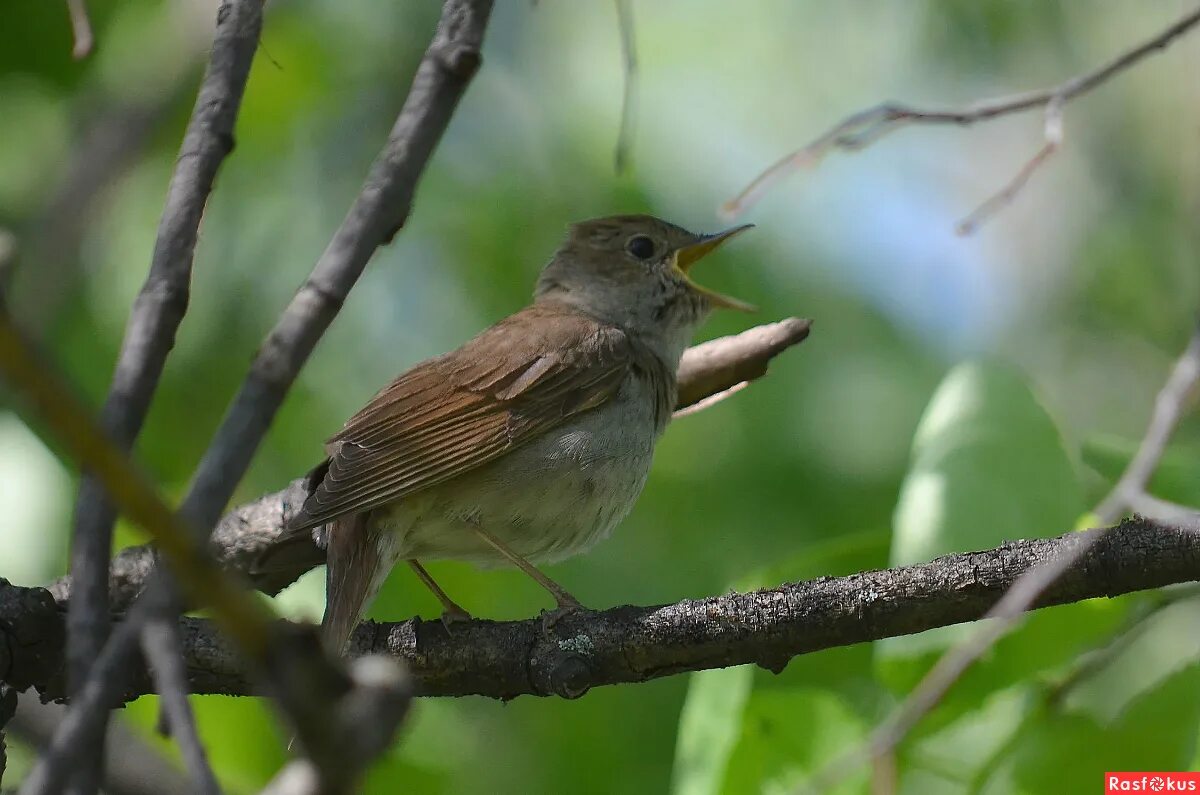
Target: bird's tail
{"type": "Point", "coordinates": [359, 559]}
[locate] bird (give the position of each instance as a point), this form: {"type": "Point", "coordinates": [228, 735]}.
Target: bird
{"type": "Point", "coordinates": [529, 443]}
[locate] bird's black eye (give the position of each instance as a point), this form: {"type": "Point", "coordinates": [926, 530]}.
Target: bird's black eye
{"type": "Point", "coordinates": [640, 246]}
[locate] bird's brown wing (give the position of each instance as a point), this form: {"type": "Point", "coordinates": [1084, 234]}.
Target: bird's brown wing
{"type": "Point", "coordinates": [451, 414]}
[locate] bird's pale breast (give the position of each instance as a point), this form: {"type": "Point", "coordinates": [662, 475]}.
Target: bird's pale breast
{"type": "Point", "coordinates": [550, 499]}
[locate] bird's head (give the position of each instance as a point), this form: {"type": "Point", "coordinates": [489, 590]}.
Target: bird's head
{"type": "Point", "coordinates": [634, 271]}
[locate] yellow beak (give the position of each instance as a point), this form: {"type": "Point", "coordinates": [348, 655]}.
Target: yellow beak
{"type": "Point", "coordinates": [689, 255]}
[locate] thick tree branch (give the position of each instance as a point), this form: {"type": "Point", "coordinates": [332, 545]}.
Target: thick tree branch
{"type": "Point", "coordinates": [250, 532]}
{"type": "Point", "coordinates": [634, 644]}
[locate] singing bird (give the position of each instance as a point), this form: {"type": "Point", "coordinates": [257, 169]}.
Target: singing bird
{"type": "Point", "coordinates": [530, 442]}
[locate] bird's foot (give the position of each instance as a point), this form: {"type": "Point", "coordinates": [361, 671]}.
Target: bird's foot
{"type": "Point", "coordinates": [567, 605]}
{"type": "Point", "coordinates": [454, 615]}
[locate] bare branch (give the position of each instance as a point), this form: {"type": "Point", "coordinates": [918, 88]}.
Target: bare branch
{"type": "Point", "coordinates": [504, 659]}
{"type": "Point", "coordinates": [163, 646]}
{"type": "Point", "coordinates": [628, 98]}
{"type": "Point", "coordinates": [245, 619]}
{"type": "Point", "coordinates": [1005, 196]}
{"type": "Point", "coordinates": [250, 533]}
{"type": "Point", "coordinates": [153, 322]}
{"type": "Point", "coordinates": [131, 766]}
{"type": "Point", "coordinates": [81, 29]}
{"type": "Point", "coordinates": [378, 212]}
{"type": "Point", "coordinates": [721, 364]}
{"type": "Point", "coordinates": [1130, 491]}
{"type": "Point", "coordinates": [860, 130]}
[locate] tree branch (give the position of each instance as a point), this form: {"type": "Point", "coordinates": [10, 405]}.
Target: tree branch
{"type": "Point", "coordinates": [1028, 588]}
{"type": "Point", "coordinates": [131, 765]}
{"type": "Point", "coordinates": [634, 644]}
{"type": "Point", "coordinates": [377, 214]}
{"type": "Point", "coordinates": [250, 532]}
{"type": "Point", "coordinates": [711, 370]}
{"type": "Point", "coordinates": [381, 207]}
{"type": "Point", "coordinates": [81, 29]}
{"type": "Point", "coordinates": [1169, 407]}
{"type": "Point", "coordinates": [153, 321]}
{"type": "Point", "coordinates": [161, 645]}
{"type": "Point", "coordinates": [628, 99]}
{"type": "Point", "coordinates": [863, 128]}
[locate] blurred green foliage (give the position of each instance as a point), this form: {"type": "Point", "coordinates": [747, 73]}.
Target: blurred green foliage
{"type": "Point", "coordinates": [1049, 333]}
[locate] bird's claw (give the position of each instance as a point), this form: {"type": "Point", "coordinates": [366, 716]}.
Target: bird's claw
{"type": "Point", "coordinates": [454, 615]}
{"type": "Point", "coordinates": [565, 608]}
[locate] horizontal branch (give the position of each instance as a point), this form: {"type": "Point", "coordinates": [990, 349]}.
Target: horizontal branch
{"type": "Point", "coordinates": [769, 627]}
{"type": "Point", "coordinates": [248, 533]}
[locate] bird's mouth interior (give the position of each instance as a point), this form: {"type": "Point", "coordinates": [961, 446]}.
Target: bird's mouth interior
{"type": "Point", "coordinates": [689, 255]}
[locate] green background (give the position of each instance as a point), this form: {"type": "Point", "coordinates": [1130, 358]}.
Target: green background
{"type": "Point", "coordinates": [955, 391]}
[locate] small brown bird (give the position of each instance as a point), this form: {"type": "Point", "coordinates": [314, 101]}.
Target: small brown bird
{"type": "Point", "coordinates": [528, 443]}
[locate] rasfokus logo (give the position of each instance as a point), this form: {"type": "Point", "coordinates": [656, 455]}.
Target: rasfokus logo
{"type": "Point", "coordinates": [1151, 782]}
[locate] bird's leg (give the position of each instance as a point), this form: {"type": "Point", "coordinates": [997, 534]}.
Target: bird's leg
{"type": "Point", "coordinates": [451, 613]}
{"type": "Point", "coordinates": [566, 602]}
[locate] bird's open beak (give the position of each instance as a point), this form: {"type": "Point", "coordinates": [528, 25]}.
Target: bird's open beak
{"type": "Point", "coordinates": [689, 255]}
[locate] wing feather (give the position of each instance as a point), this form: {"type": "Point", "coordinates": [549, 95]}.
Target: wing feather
{"type": "Point", "coordinates": [454, 413]}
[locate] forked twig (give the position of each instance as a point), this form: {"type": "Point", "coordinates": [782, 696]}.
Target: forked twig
{"type": "Point", "coordinates": [1130, 492]}
{"type": "Point", "coordinates": [863, 128]}
{"type": "Point", "coordinates": [153, 321]}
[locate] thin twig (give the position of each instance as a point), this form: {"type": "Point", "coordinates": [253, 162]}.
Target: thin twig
{"type": "Point", "coordinates": [243, 616]}
{"type": "Point", "coordinates": [1005, 196]}
{"type": "Point", "coordinates": [81, 29]}
{"type": "Point", "coordinates": [860, 130]}
{"type": "Point", "coordinates": [1165, 511]}
{"type": "Point", "coordinates": [1169, 407]}
{"type": "Point", "coordinates": [504, 659]}
{"type": "Point", "coordinates": [163, 647]}
{"type": "Point", "coordinates": [1032, 585]}
{"type": "Point", "coordinates": [710, 401]}
{"type": "Point", "coordinates": [378, 212]}
{"type": "Point", "coordinates": [629, 89]}
{"type": "Point", "coordinates": [1050, 695]}
{"type": "Point", "coordinates": [153, 322]}
{"type": "Point", "coordinates": [132, 766]}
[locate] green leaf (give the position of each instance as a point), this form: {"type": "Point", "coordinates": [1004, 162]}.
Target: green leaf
{"type": "Point", "coordinates": [1155, 650]}
{"type": "Point", "coordinates": [787, 736]}
{"type": "Point", "coordinates": [708, 728]}
{"type": "Point", "coordinates": [712, 716]}
{"type": "Point", "coordinates": [1068, 752]}
{"type": "Point", "coordinates": [988, 465]}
